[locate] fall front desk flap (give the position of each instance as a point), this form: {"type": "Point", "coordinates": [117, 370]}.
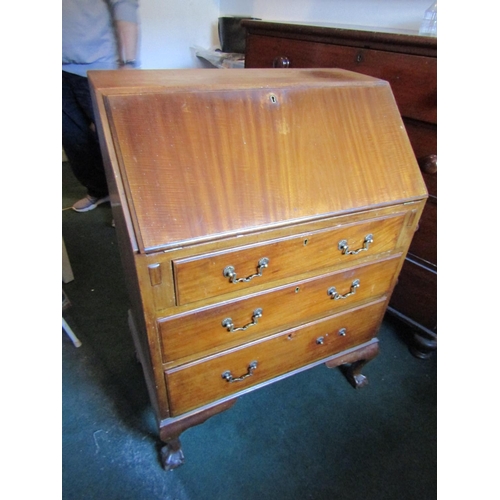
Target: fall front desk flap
{"type": "Point", "coordinates": [205, 154]}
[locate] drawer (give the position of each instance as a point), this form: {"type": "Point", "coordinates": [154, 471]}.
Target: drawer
{"type": "Point", "coordinates": [415, 295]}
{"type": "Point", "coordinates": [211, 379]}
{"type": "Point", "coordinates": [213, 274]}
{"type": "Point", "coordinates": [413, 78]}
{"type": "Point", "coordinates": [264, 313]}
{"type": "Point", "coordinates": [424, 243]}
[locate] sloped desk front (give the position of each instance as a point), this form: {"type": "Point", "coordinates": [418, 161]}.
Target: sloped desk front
{"type": "Point", "coordinates": [263, 217]}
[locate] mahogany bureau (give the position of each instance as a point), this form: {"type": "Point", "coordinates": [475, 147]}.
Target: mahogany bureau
{"type": "Point", "coordinates": [262, 217]}
{"type": "Point", "coordinates": [409, 63]}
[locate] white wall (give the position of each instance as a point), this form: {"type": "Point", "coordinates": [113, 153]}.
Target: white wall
{"type": "Point", "coordinates": [169, 28]}
{"type": "Point", "coordinates": [401, 14]}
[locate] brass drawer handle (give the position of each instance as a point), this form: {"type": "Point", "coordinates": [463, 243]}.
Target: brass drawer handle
{"type": "Point", "coordinates": [344, 247]}
{"type": "Point", "coordinates": [228, 322]}
{"type": "Point", "coordinates": [281, 62]}
{"type": "Point", "coordinates": [229, 378]}
{"type": "Point", "coordinates": [321, 340]}
{"type": "Point", "coordinates": [336, 296]}
{"type": "Point", "coordinates": [229, 272]}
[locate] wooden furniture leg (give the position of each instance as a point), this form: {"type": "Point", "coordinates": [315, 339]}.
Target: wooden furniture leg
{"type": "Point", "coordinates": [172, 455]}
{"type": "Point", "coordinates": [170, 430]}
{"type": "Point", "coordinates": [352, 363]}
{"type": "Point", "coordinates": [422, 347]}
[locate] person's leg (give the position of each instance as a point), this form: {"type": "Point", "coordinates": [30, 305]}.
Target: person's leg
{"type": "Point", "coordinates": [79, 138]}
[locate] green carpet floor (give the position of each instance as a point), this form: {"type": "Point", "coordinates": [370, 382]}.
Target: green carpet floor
{"type": "Point", "coordinates": [311, 436]}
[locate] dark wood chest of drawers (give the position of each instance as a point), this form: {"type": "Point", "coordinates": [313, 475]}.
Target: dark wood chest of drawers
{"type": "Point", "coordinates": [263, 218]}
{"type": "Point", "coordinates": [409, 64]}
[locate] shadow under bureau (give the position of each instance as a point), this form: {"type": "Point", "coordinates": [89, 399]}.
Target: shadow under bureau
{"type": "Point", "coordinates": [262, 217]}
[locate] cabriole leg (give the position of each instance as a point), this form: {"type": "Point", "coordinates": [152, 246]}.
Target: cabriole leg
{"type": "Point", "coordinates": [170, 430]}
{"type": "Point", "coordinates": [351, 364]}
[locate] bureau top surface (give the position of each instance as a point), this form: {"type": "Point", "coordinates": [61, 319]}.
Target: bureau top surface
{"type": "Point", "coordinates": [206, 154]}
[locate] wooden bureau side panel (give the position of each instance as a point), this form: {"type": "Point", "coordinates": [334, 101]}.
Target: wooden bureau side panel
{"type": "Point", "coordinates": [143, 329]}
{"type": "Point", "coordinates": [424, 241]}
{"type": "Point", "coordinates": [197, 384]}
{"type": "Point", "coordinates": [200, 331]}
{"type": "Point", "coordinates": [423, 138]}
{"type": "Point", "coordinates": [412, 77]}
{"type": "Point", "coordinates": [202, 276]}
{"type": "Point", "coordinates": [415, 295]}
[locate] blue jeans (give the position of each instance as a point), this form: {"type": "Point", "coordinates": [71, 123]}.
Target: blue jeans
{"type": "Point", "coordinates": [79, 138]}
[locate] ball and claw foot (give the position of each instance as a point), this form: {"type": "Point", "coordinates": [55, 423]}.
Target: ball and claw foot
{"type": "Point", "coordinates": [172, 456]}
{"type": "Point", "coordinates": [357, 380]}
